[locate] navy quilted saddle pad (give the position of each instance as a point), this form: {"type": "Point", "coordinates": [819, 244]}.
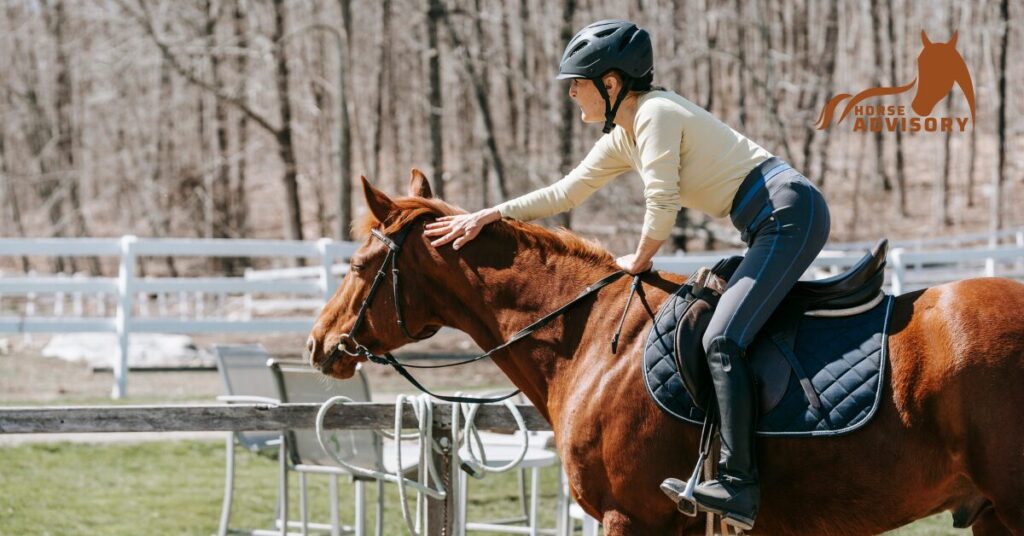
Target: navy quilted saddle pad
{"type": "Point", "coordinates": [844, 359]}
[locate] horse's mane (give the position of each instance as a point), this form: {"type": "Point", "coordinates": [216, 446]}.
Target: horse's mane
{"type": "Point", "coordinates": [560, 240]}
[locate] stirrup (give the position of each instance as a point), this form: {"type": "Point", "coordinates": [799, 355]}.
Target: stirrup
{"type": "Point", "coordinates": [686, 502]}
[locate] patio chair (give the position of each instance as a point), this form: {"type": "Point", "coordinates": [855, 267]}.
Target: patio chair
{"type": "Point", "coordinates": [500, 450]}
{"type": "Point", "coordinates": [296, 383]}
{"type": "Point", "coordinates": [250, 375]}
{"type": "Point", "coordinates": [247, 380]}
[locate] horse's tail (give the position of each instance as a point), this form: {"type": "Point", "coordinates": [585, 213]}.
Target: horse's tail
{"type": "Point", "coordinates": [875, 92]}
{"type": "Point", "coordinates": [825, 117]}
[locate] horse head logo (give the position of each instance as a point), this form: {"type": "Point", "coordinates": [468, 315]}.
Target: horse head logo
{"type": "Point", "coordinates": [939, 66]}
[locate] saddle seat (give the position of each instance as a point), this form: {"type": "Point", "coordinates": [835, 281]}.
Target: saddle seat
{"type": "Point", "coordinates": [856, 286]}
{"type": "Point", "coordinates": [850, 288]}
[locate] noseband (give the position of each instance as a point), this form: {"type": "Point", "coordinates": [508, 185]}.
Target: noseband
{"type": "Point", "coordinates": [394, 247]}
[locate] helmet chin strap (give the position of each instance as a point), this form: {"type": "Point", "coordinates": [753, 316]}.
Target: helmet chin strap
{"type": "Point", "coordinates": [609, 109]}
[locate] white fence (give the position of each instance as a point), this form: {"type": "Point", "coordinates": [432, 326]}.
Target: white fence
{"type": "Point", "coordinates": [131, 291]}
{"type": "Point", "coordinates": [308, 287]}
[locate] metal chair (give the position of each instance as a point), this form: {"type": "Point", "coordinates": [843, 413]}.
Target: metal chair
{"type": "Point", "coordinates": [250, 375]}
{"type": "Point", "coordinates": [247, 380]}
{"type": "Point", "coordinates": [501, 449]}
{"type": "Point", "coordinates": [296, 383]}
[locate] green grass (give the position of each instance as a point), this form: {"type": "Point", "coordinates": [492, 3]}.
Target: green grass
{"type": "Point", "coordinates": [176, 488]}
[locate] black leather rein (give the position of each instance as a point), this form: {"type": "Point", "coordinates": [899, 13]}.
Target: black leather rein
{"type": "Point", "coordinates": [394, 247]}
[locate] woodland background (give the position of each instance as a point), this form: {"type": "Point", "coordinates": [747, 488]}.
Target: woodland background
{"type": "Point", "coordinates": [254, 119]}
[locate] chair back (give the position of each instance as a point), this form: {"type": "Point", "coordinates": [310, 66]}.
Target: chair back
{"type": "Point", "coordinates": [243, 371]}
{"type": "Point", "coordinates": [298, 383]}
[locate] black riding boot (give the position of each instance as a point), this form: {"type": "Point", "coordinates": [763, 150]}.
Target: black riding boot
{"type": "Point", "coordinates": [735, 494]}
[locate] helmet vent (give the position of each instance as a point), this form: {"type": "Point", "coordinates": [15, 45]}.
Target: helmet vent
{"type": "Point", "coordinates": [578, 48]}
{"type": "Point", "coordinates": [606, 32]}
{"type": "Point", "coordinates": [626, 39]}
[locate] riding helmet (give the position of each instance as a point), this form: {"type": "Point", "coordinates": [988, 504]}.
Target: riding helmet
{"type": "Point", "coordinates": [606, 45]}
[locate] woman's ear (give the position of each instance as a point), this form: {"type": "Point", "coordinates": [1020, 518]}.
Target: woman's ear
{"type": "Point", "coordinates": [381, 206]}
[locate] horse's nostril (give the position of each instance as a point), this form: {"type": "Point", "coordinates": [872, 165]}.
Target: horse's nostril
{"type": "Point", "coordinates": [311, 347]}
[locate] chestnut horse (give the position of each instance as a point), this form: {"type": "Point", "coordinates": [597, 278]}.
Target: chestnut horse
{"type": "Point", "coordinates": [949, 434]}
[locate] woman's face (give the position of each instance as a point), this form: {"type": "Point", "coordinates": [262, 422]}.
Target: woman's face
{"type": "Point", "coordinates": [585, 94]}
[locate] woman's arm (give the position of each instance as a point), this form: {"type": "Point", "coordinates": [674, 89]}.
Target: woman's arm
{"type": "Point", "coordinates": [603, 163]}
{"type": "Point", "coordinates": [659, 137]}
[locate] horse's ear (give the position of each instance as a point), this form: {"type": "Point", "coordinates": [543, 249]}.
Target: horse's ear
{"type": "Point", "coordinates": [380, 204]}
{"type": "Point", "coordinates": [419, 186]}
{"type": "Point", "coordinates": [924, 39]}
{"type": "Point", "coordinates": [952, 41]}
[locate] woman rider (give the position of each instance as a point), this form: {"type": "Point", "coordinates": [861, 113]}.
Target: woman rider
{"type": "Point", "coordinates": [685, 157]}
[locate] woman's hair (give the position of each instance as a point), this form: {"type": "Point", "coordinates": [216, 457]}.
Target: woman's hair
{"type": "Point", "coordinates": [643, 84]}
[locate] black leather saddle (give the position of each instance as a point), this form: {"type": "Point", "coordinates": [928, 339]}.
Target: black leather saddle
{"type": "Point", "coordinates": [856, 286]}
{"type": "Point", "coordinates": [674, 361]}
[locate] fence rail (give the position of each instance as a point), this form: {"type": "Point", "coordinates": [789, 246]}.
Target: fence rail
{"type": "Point", "coordinates": [307, 288]}
{"type": "Point", "coordinates": [242, 418]}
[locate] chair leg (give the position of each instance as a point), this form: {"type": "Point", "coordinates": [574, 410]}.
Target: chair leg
{"type": "Point", "coordinates": [521, 477]}
{"type": "Point", "coordinates": [534, 499]}
{"type": "Point", "coordinates": [461, 508]}
{"type": "Point", "coordinates": [303, 504]}
{"type": "Point", "coordinates": [335, 517]}
{"type": "Point", "coordinates": [379, 528]}
{"type": "Point", "coordinates": [360, 524]}
{"type": "Point", "coordinates": [282, 459]}
{"type": "Point", "coordinates": [229, 484]}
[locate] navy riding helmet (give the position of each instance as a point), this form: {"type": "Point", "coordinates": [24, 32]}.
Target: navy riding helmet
{"type": "Point", "coordinates": [603, 46]}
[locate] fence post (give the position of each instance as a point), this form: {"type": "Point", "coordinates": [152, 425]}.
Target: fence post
{"type": "Point", "coordinates": [441, 513]}
{"type": "Point", "coordinates": [899, 271]}
{"type": "Point", "coordinates": [125, 274]}
{"type": "Point", "coordinates": [326, 261]}
{"type": "Point", "coordinates": [1020, 244]}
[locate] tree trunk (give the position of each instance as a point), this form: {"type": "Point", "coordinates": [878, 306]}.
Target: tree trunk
{"type": "Point", "coordinates": [876, 32]}
{"type": "Point", "coordinates": [901, 172]}
{"type": "Point", "coordinates": [382, 87]}
{"type": "Point", "coordinates": [240, 215]}
{"type": "Point", "coordinates": [741, 45]}
{"type": "Point", "coordinates": [434, 12]}
{"type": "Point", "coordinates": [569, 113]}
{"type": "Point", "coordinates": [10, 195]}
{"type": "Point", "coordinates": [293, 208]}
{"type": "Point", "coordinates": [65, 158]}
{"type": "Point", "coordinates": [1000, 177]}
{"type": "Point", "coordinates": [826, 66]}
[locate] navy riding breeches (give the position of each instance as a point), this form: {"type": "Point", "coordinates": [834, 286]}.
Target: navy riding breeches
{"type": "Point", "coordinates": [784, 220]}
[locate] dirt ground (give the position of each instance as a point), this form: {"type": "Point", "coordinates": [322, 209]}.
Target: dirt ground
{"type": "Point", "coordinates": [28, 378]}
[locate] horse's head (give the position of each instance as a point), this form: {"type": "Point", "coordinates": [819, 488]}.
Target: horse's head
{"type": "Point", "coordinates": [940, 65]}
{"type": "Point", "coordinates": [395, 238]}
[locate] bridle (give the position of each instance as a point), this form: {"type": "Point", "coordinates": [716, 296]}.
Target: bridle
{"type": "Point", "coordinates": [394, 248]}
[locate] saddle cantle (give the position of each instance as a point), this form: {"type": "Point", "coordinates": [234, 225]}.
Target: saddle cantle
{"type": "Point", "coordinates": [815, 375]}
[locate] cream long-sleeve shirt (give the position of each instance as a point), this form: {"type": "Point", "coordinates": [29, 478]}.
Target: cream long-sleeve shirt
{"type": "Point", "coordinates": [684, 155]}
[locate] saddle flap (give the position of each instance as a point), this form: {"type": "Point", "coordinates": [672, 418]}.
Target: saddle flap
{"type": "Point", "coordinates": [771, 372]}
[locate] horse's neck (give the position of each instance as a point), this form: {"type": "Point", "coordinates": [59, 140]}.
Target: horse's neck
{"type": "Point", "coordinates": [515, 297]}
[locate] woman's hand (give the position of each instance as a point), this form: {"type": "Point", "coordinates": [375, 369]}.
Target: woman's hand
{"type": "Point", "coordinates": [633, 265]}
{"type": "Point", "coordinates": [461, 227]}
